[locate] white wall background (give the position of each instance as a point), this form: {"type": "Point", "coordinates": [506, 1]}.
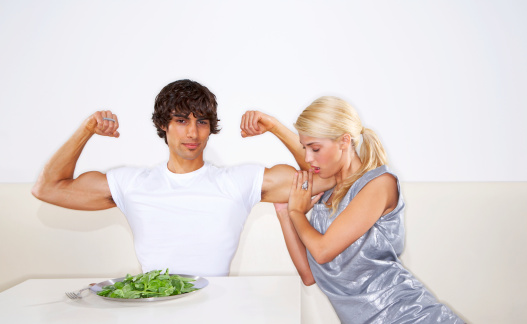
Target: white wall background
{"type": "Point", "coordinates": [441, 82]}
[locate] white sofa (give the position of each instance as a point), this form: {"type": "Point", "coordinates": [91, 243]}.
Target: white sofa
{"type": "Point", "coordinates": [465, 241]}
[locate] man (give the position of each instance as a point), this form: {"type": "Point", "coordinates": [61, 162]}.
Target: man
{"type": "Point", "coordinates": [185, 214]}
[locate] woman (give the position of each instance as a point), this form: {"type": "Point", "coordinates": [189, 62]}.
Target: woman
{"type": "Point", "coordinates": [356, 231]}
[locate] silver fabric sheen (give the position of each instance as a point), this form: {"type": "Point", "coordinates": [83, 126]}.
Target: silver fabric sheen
{"type": "Point", "coordinates": [367, 283]}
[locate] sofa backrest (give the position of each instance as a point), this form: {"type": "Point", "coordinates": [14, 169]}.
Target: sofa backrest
{"type": "Point", "coordinates": [464, 241]}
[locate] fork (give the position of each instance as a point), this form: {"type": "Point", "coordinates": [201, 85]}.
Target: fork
{"type": "Point", "coordinates": [77, 294]}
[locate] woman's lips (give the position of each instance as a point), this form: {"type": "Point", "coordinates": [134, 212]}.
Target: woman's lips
{"type": "Point", "coordinates": [316, 169]}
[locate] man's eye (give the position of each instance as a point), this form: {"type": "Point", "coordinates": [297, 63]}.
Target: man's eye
{"type": "Point", "coordinates": [203, 122]}
{"type": "Point", "coordinates": [180, 121]}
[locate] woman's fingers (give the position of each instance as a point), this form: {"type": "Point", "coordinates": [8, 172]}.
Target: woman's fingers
{"type": "Point", "coordinates": [310, 180]}
{"type": "Point", "coordinates": [295, 181]}
{"type": "Point", "coordinates": [315, 199]}
{"type": "Point", "coordinates": [307, 182]}
{"type": "Point", "coordinates": [300, 198]}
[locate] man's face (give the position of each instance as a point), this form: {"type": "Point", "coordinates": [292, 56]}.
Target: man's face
{"type": "Point", "coordinates": [187, 136]}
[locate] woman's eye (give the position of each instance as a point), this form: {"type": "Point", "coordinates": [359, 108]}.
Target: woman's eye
{"type": "Point", "coordinates": [316, 150]}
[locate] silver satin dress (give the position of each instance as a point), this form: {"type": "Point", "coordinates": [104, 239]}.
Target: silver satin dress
{"type": "Point", "coordinates": [367, 283]}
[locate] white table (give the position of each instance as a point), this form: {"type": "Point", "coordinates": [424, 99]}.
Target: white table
{"type": "Point", "coordinates": [225, 300]}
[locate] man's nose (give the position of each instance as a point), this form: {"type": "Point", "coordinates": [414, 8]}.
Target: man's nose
{"type": "Point", "coordinates": [192, 130]}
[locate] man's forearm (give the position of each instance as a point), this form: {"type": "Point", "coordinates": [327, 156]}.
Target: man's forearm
{"type": "Point", "coordinates": [296, 249]}
{"type": "Point", "coordinates": [62, 164]}
{"type": "Point", "coordinates": [292, 142]}
{"type": "Point", "coordinates": [90, 190]}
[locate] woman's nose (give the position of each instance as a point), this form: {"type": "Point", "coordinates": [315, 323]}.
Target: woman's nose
{"type": "Point", "coordinates": [308, 157]}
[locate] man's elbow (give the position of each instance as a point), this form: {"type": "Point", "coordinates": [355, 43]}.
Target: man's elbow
{"type": "Point", "coordinates": [37, 191]}
{"type": "Point", "coordinates": [41, 191]}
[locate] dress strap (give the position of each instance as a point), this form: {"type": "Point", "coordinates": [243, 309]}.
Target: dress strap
{"type": "Point", "coordinates": [369, 176]}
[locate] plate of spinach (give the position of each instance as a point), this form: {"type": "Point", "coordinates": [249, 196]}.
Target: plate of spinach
{"type": "Point", "coordinates": [151, 286]}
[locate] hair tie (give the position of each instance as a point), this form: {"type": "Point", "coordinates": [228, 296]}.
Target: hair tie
{"type": "Point", "coordinates": [362, 130]}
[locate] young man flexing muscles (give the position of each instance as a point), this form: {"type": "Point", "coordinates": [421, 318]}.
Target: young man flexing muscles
{"type": "Point", "coordinates": [185, 214]}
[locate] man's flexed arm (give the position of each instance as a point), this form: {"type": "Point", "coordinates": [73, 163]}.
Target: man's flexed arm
{"type": "Point", "coordinates": [89, 191]}
{"type": "Point", "coordinates": [256, 123]}
{"type": "Point", "coordinates": [277, 184]}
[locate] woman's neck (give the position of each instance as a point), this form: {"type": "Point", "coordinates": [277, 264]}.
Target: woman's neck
{"type": "Point", "coordinates": [351, 166]}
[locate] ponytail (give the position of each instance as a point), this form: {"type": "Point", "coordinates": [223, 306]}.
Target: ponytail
{"type": "Point", "coordinates": [372, 156]}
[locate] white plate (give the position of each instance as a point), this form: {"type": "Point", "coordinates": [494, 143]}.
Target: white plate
{"type": "Point", "coordinates": [199, 283]}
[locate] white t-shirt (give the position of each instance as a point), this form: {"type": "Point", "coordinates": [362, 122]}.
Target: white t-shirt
{"type": "Point", "coordinates": [190, 223]}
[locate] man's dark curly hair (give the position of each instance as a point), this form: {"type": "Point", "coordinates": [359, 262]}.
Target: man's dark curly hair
{"type": "Point", "coordinates": [184, 97]}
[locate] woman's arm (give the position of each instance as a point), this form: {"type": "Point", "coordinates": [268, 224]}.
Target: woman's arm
{"type": "Point", "coordinates": [295, 247]}
{"type": "Point", "coordinates": [377, 198]}
{"type": "Point", "coordinates": [256, 123]}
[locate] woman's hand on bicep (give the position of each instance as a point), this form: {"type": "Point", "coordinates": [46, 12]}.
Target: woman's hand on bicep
{"type": "Point", "coordinates": [277, 184]}
{"type": "Point", "coordinates": [301, 197]}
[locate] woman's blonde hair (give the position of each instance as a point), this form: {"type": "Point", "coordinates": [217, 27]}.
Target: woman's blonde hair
{"type": "Point", "coordinates": [332, 117]}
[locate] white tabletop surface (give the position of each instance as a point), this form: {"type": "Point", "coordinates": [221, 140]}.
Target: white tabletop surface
{"type": "Point", "coordinates": [224, 300]}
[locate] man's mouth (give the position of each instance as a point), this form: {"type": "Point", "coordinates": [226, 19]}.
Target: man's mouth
{"type": "Point", "coordinates": [191, 146]}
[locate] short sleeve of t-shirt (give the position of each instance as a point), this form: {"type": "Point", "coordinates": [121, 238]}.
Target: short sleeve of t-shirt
{"type": "Point", "coordinates": [248, 178]}
{"type": "Point", "coordinates": [119, 180]}
{"type": "Point", "coordinates": [245, 179]}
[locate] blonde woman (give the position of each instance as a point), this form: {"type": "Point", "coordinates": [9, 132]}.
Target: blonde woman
{"type": "Point", "coordinates": [351, 244]}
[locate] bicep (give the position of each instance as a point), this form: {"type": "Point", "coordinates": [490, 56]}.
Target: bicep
{"type": "Point", "coordinates": [277, 183]}
{"type": "Point", "coordinates": [377, 198]}
{"type": "Point", "coordinates": [89, 191]}
{"type": "Point", "coordinates": [321, 185]}
{"type": "Point", "coordinates": [278, 180]}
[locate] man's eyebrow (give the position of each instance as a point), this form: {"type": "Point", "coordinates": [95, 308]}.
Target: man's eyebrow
{"type": "Point", "coordinates": [187, 116]}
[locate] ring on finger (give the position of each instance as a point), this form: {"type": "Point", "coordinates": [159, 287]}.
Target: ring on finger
{"type": "Point", "coordinates": [304, 185]}
{"type": "Point", "coordinates": [109, 119]}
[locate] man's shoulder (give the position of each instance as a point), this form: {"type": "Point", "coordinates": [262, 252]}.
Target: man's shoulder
{"type": "Point", "coordinates": [131, 173]}
{"type": "Point", "coordinates": [245, 169]}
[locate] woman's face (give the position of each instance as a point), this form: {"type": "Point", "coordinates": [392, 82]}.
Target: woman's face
{"type": "Point", "coordinates": [323, 155]}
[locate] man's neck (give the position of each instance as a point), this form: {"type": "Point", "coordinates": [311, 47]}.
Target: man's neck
{"type": "Point", "coordinates": [184, 166]}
